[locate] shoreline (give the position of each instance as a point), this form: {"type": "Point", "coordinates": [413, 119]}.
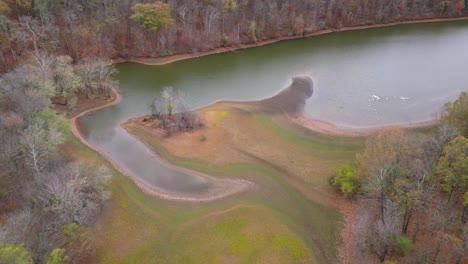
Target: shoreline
{"type": "Point", "coordinates": [159, 61]}
{"type": "Point", "coordinates": [231, 186]}
{"type": "Point", "coordinates": [327, 128]}
{"type": "Point", "coordinates": [219, 188]}
{"type": "Point", "coordinates": [320, 126]}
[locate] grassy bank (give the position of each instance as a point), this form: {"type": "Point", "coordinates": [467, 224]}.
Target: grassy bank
{"type": "Point", "coordinates": [136, 228]}
{"type": "Point", "coordinates": [290, 164]}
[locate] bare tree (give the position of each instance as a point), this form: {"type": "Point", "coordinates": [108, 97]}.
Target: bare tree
{"type": "Point", "coordinates": [76, 193]}
{"type": "Point", "coordinates": [436, 143]}
{"type": "Point", "coordinates": [97, 75]}
{"type": "Point", "coordinates": [19, 226]}
{"type": "Point", "coordinates": [40, 143]}
{"type": "Point", "coordinates": [45, 63]}
{"type": "Point", "coordinates": [171, 109]}
{"type": "Point", "coordinates": [211, 17]}
{"type": "Point", "coordinates": [373, 236]}
{"type": "Point", "coordinates": [23, 94]}
{"type": "Point", "coordinates": [32, 32]}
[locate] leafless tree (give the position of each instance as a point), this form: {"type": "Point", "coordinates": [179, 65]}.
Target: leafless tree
{"type": "Point", "coordinates": [435, 145]}
{"type": "Point", "coordinates": [19, 226]}
{"type": "Point", "coordinates": [40, 143]}
{"type": "Point", "coordinates": [76, 193]}
{"type": "Point", "coordinates": [31, 32]}
{"type": "Point", "coordinates": [23, 94]}
{"type": "Point", "coordinates": [373, 236]}
{"type": "Point", "coordinates": [97, 75]}
{"type": "Point", "coordinates": [211, 17]}
{"type": "Point", "coordinates": [45, 62]}
{"type": "Point", "coordinates": [46, 190]}
{"type": "Point", "coordinates": [171, 109]}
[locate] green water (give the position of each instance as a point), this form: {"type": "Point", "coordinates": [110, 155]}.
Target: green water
{"type": "Point", "coordinates": [365, 78]}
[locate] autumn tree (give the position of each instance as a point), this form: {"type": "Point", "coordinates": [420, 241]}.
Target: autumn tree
{"type": "Point", "coordinates": [405, 172]}
{"type": "Point", "coordinates": [299, 25]}
{"type": "Point", "coordinates": [253, 31]}
{"type": "Point", "coordinates": [456, 113]}
{"type": "Point", "coordinates": [380, 164]}
{"type": "Point", "coordinates": [153, 17]}
{"type": "Point", "coordinates": [453, 171]}
{"type": "Point", "coordinates": [6, 44]}
{"type": "Point", "coordinates": [57, 256]}
{"type": "Point", "coordinates": [104, 28]}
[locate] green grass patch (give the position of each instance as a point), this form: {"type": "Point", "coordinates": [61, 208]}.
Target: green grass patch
{"type": "Point", "coordinates": [137, 228]}
{"type": "Point", "coordinates": [295, 248]}
{"type": "Point", "coordinates": [330, 146]}
{"type": "Point", "coordinates": [276, 224]}
{"type": "Point", "coordinates": [232, 229]}
{"type": "Point", "coordinates": [245, 234]}
{"type": "Point", "coordinates": [314, 223]}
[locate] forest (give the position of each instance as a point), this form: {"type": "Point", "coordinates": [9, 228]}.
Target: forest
{"type": "Point", "coordinates": [56, 59]}
{"type": "Point", "coordinates": [49, 198]}
{"type": "Point", "coordinates": [122, 29]}
{"type": "Point", "coordinates": [412, 191]}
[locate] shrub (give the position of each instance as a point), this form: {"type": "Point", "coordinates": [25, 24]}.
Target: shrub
{"type": "Point", "coordinates": [253, 31]}
{"type": "Point", "coordinates": [346, 180]}
{"type": "Point", "coordinates": [167, 53]}
{"type": "Point", "coordinates": [203, 138]}
{"type": "Point", "coordinates": [403, 245]}
{"type": "Point", "coordinates": [14, 254]}
{"type": "Point", "coordinates": [57, 256]}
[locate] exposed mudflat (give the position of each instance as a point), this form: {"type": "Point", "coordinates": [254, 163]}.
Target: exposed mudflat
{"type": "Point", "coordinates": [291, 100]}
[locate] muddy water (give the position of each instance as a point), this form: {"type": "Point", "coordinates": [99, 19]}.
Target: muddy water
{"type": "Point", "coordinates": [365, 78]}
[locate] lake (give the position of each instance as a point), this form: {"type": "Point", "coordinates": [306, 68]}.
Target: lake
{"type": "Point", "coordinates": [362, 79]}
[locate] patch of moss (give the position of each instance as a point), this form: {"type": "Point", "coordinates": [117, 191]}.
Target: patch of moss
{"type": "Point", "coordinates": [293, 246]}
{"type": "Point", "coordinates": [230, 227]}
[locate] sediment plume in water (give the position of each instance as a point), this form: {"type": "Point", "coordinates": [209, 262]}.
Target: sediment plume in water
{"type": "Point", "coordinates": [292, 99]}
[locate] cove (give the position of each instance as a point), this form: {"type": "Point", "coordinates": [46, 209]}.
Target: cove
{"type": "Point", "coordinates": [367, 78]}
